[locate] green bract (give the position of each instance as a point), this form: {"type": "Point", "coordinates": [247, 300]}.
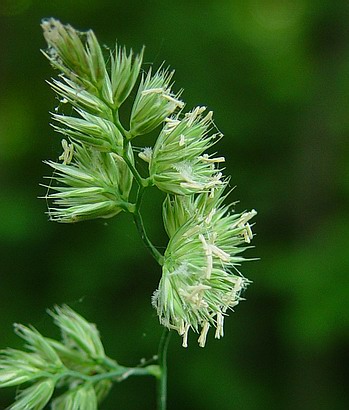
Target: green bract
{"type": "Point", "coordinates": [81, 398]}
{"type": "Point", "coordinates": [35, 397]}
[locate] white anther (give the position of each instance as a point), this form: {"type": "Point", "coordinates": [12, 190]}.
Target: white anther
{"type": "Point", "coordinates": [194, 295]}
{"type": "Point", "coordinates": [146, 154]}
{"type": "Point", "coordinates": [206, 158]}
{"type": "Point", "coordinates": [209, 116]}
{"type": "Point", "coordinates": [153, 91]}
{"type": "Point", "coordinates": [243, 223]}
{"type": "Point", "coordinates": [194, 114]}
{"type": "Point", "coordinates": [185, 335]}
{"type": "Point", "coordinates": [174, 100]}
{"type": "Point", "coordinates": [208, 253]}
{"type": "Point", "coordinates": [203, 334]}
{"type": "Point", "coordinates": [208, 219]}
{"type": "Point", "coordinates": [68, 152]}
{"type": "Point", "coordinates": [223, 256]}
{"type": "Point", "coordinates": [219, 325]}
{"type": "Point", "coordinates": [181, 140]}
{"type": "Point", "coordinates": [248, 235]}
{"type": "Point", "coordinates": [238, 284]}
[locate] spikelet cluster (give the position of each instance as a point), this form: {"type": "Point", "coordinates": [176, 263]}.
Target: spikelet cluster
{"type": "Point", "coordinates": [93, 178]}
{"type": "Point", "coordinates": [48, 364]}
{"type": "Point", "coordinates": [200, 281]}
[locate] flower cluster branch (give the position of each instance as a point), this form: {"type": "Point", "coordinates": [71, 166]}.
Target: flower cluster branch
{"type": "Point", "coordinates": [76, 364]}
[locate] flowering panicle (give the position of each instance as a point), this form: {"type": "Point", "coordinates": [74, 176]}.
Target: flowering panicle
{"type": "Point", "coordinates": [200, 282]}
{"type": "Point", "coordinates": [178, 164]}
{"type": "Point", "coordinates": [93, 185]}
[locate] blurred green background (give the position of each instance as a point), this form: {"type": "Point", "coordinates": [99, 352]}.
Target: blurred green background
{"type": "Point", "coordinates": [276, 74]}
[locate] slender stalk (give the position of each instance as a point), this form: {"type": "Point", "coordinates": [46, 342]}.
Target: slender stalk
{"type": "Point", "coordinates": [137, 217]}
{"type": "Point", "coordinates": [162, 361]}
{"type": "Point", "coordinates": [140, 181]}
{"type": "Point", "coordinates": [115, 115]}
{"type": "Point", "coordinates": [118, 374]}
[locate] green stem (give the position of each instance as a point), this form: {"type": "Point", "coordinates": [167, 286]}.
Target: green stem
{"type": "Point", "coordinates": [162, 360]}
{"type": "Point", "coordinates": [137, 217]}
{"type": "Point", "coordinates": [119, 374]}
{"type": "Point", "coordinates": [118, 124]}
{"type": "Point", "coordinates": [125, 133]}
{"type": "Point", "coordinates": [140, 181]}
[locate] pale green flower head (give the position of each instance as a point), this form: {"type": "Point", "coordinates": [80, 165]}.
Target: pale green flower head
{"type": "Point", "coordinates": [91, 130]}
{"type": "Point", "coordinates": [154, 102]}
{"type": "Point", "coordinates": [77, 333]}
{"type": "Point", "coordinates": [200, 281]}
{"type": "Point", "coordinates": [91, 184]}
{"type": "Point", "coordinates": [70, 364]}
{"type": "Point", "coordinates": [124, 72]}
{"type": "Point", "coordinates": [71, 92]}
{"type": "Point", "coordinates": [86, 81]}
{"type": "Point", "coordinates": [178, 164]}
{"type": "Point", "coordinates": [82, 398]}
{"type": "Point", "coordinates": [34, 397]}
{"type": "Point", "coordinates": [18, 367]}
{"type": "Point", "coordinates": [78, 56]}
